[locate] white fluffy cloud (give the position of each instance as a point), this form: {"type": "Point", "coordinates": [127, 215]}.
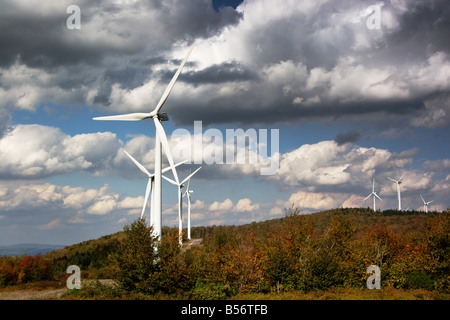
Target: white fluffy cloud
{"type": "Point", "coordinates": [317, 201]}
{"type": "Point", "coordinates": [225, 205]}
{"type": "Point", "coordinates": [39, 197]}
{"type": "Point", "coordinates": [245, 205]}
{"type": "Point", "coordinates": [34, 151]}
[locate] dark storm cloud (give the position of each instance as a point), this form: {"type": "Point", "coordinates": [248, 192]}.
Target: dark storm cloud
{"type": "Point", "coordinates": [289, 62]}
{"type": "Point", "coordinates": [325, 64]}
{"type": "Point", "coordinates": [260, 107]}
{"type": "Point", "coordinates": [423, 28]}
{"type": "Point", "coordinates": [225, 72]}
{"type": "Point", "coordinates": [36, 34]}
{"type": "Point", "coordinates": [344, 137]}
{"type": "Point", "coordinates": [5, 119]}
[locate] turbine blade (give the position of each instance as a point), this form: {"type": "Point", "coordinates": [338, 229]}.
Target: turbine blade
{"type": "Point", "coordinates": [172, 83]}
{"type": "Point", "coordinates": [147, 192]}
{"type": "Point", "coordinates": [140, 166]}
{"type": "Point", "coordinates": [377, 196]}
{"type": "Point", "coordinates": [422, 198]}
{"type": "Point", "coordinates": [189, 176]}
{"type": "Point", "coordinates": [392, 180]}
{"type": "Point", "coordinates": [189, 182]}
{"type": "Point", "coordinates": [125, 117]}
{"type": "Point", "coordinates": [367, 197]}
{"type": "Point", "coordinates": [176, 165]}
{"type": "Point", "coordinates": [162, 137]}
{"type": "Point", "coordinates": [402, 176]}
{"type": "Point", "coordinates": [170, 180]}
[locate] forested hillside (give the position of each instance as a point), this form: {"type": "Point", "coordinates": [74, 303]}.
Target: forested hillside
{"type": "Point", "coordinates": [298, 252]}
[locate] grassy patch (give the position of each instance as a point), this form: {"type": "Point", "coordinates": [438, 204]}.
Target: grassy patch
{"type": "Point", "coordinates": [349, 294]}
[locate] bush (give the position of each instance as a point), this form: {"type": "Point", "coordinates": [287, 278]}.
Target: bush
{"type": "Point", "coordinates": [212, 291]}
{"type": "Point", "coordinates": [419, 279]}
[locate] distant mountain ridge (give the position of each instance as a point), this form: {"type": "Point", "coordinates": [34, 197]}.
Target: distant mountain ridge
{"type": "Point", "coordinates": [28, 249]}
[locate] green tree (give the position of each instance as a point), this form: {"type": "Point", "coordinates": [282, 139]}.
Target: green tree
{"type": "Point", "coordinates": [135, 260]}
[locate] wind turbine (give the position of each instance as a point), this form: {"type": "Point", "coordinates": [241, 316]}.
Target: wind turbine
{"type": "Point", "coordinates": [374, 195]}
{"type": "Point", "coordinates": [180, 202]}
{"type": "Point", "coordinates": [160, 141]}
{"type": "Point", "coordinates": [425, 204]}
{"type": "Point", "coordinates": [188, 194]}
{"type": "Point", "coordinates": [398, 182]}
{"type": "Point", "coordinates": [150, 183]}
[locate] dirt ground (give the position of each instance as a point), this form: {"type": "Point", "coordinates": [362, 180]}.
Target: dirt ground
{"type": "Point", "coordinates": [30, 294]}
{"type": "Point", "coordinates": [40, 291]}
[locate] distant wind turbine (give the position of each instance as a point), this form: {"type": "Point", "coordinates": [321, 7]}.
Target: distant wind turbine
{"type": "Point", "coordinates": [374, 194]}
{"type": "Point", "coordinates": [425, 204]}
{"type": "Point", "coordinates": [398, 182]}
{"type": "Point", "coordinates": [161, 141]}
{"type": "Point", "coordinates": [188, 194]}
{"type": "Point", "coordinates": [180, 202]}
{"type": "Point", "coordinates": [150, 184]}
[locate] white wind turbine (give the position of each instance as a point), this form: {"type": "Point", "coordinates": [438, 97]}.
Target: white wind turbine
{"type": "Point", "coordinates": [180, 202]}
{"type": "Point", "coordinates": [425, 204]}
{"type": "Point", "coordinates": [160, 141]}
{"type": "Point", "coordinates": [398, 182]}
{"type": "Point", "coordinates": [374, 194]}
{"type": "Point", "coordinates": [150, 184]}
{"type": "Point", "coordinates": [188, 194]}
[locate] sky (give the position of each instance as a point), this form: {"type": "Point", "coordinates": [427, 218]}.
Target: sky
{"type": "Point", "coordinates": [332, 93]}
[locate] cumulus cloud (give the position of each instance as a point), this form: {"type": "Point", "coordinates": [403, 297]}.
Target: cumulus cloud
{"type": "Point", "coordinates": [245, 205]}
{"type": "Point", "coordinates": [38, 197]}
{"type": "Point", "coordinates": [46, 210]}
{"type": "Point", "coordinates": [326, 163]}
{"type": "Point", "coordinates": [35, 151]}
{"type": "Point", "coordinates": [313, 200]}
{"type": "Point", "coordinates": [225, 205]}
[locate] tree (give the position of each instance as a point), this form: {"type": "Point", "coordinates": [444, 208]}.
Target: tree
{"type": "Point", "coordinates": [135, 260]}
{"type": "Point", "coordinates": [172, 273]}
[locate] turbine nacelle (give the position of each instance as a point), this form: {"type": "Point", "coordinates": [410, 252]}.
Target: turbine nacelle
{"type": "Point", "coordinates": [163, 116]}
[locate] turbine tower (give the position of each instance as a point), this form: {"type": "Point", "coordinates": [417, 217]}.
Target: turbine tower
{"type": "Point", "coordinates": [180, 203]}
{"type": "Point", "coordinates": [374, 194]}
{"type": "Point", "coordinates": [188, 194]}
{"type": "Point", "coordinates": [150, 184]}
{"type": "Point", "coordinates": [398, 182]}
{"type": "Point", "coordinates": [160, 141]}
{"type": "Point", "coordinates": [425, 204]}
